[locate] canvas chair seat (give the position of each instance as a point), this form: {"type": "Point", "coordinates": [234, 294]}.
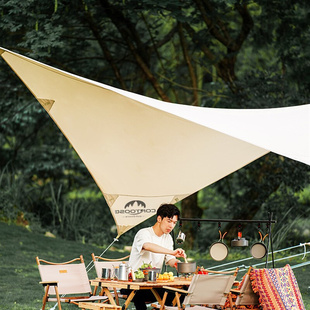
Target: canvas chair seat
{"type": "Point", "coordinates": [245, 295]}
{"type": "Point", "coordinates": [77, 299]}
{"type": "Point", "coordinates": [66, 282]}
{"type": "Point", "coordinates": [205, 291]}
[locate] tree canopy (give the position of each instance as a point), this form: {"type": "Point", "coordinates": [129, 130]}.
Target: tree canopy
{"type": "Point", "coordinates": [224, 54]}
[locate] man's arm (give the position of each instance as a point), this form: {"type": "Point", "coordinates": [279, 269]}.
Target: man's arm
{"type": "Point", "coordinates": [173, 262]}
{"type": "Point", "coordinates": [155, 248]}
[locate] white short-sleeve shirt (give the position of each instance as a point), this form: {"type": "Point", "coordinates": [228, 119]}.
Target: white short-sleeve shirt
{"type": "Point", "coordinates": [138, 256]}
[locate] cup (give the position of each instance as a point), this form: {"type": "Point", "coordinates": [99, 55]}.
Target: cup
{"type": "Point", "coordinates": [116, 273]}
{"type": "Point", "coordinates": [106, 273]}
{"type": "Point", "coordinates": [181, 237]}
{"type": "Point", "coordinates": [152, 275]}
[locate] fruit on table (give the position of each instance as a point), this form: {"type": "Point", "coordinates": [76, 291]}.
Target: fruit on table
{"type": "Point", "coordinates": [166, 276]}
{"type": "Point", "coordinates": [146, 265]}
{"type": "Point", "coordinates": [202, 270]}
{"type": "Point", "coordinates": [139, 274]}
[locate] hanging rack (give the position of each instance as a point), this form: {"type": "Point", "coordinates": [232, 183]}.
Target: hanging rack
{"type": "Point", "coordinates": [219, 221]}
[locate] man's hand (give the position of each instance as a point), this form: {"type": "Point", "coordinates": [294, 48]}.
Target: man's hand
{"type": "Point", "coordinates": [179, 253]}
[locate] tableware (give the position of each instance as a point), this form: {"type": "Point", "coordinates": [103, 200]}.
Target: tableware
{"type": "Point", "coordinates": [259, 249]}
{"type": "Point", "coordinates": [116, 272]}
{"type": "Point", "coordinates": [123, 271]}
{"type": "Point", "coordinates": [152, 275]}
{"type": "Point", "coordinates": [219, 250]}
{"type": "Point", "coordinates": [147, 270]}
{"type": "Point", "coordinates": [181, 237]}
{"type": "Point", "coordinates": [186, 267]}
{"type": "Point", "coordinates": [106, 273]}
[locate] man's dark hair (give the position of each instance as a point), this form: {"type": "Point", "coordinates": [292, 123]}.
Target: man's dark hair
{"type": "Point", "coordinates": [168, 210]}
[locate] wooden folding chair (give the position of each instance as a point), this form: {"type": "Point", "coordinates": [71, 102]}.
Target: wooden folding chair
{"type": "Point", "coordinates": [205, 290]}
{"type": "Point", "coordinates": [66, 282]}
{"type": "Point", "coordinates": [101, 262]}
{"type": "Point", "coordinates": [245, 295]}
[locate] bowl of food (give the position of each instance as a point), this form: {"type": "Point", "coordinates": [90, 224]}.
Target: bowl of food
{"type": "Point", "coordinates": [138, 276]}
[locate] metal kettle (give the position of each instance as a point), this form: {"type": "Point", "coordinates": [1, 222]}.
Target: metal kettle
{"type": "Point", "coordinates": [123, 271]}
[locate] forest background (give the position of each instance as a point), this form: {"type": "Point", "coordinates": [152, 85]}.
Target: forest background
{"type": "Point", "coordinates": [219, 53]}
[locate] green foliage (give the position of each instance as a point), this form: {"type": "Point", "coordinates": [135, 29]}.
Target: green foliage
{"type": "Point", "coordinates": [80, 219]}
{"type": "Point", "coordinates": [213, 53]}
{"type": "Point", "coordinates": [12, 193]}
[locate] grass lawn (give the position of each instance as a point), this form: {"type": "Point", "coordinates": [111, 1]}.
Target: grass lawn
{"type": "Point", "coordinates": [19, 276]}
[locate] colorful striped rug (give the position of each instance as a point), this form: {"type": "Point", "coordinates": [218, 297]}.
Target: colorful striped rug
{"type": "Point", "coordinates": [277, 289]}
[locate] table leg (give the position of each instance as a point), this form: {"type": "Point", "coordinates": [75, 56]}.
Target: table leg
{"type": "Point", "coordinates": [157, 296]}
{"type": "Point", "coordinates": [129, 299]}
{"type": "Point", "coordinates": [116, 296]}
{"type": "Point", "coordinates": [109, 295]}
{"type": "Point", "coordinates": [177, 295]}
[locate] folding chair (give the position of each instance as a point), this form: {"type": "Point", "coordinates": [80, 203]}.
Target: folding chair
{"type": "Point", "coordinates": [205, 290]}
{"type": "Point", "coordinates": [65, 282]}
{"type": "Point", "coordinates": [245, 295]}
{"type": "Point", "coordinates": [101, 262]}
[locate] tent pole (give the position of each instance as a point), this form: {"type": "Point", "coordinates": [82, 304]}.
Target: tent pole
{"type": "Point", "coordinates": [91, 262]}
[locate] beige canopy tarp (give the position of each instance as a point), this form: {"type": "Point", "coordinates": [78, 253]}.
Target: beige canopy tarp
{"type": "Point", "coordinates": [144, 152]}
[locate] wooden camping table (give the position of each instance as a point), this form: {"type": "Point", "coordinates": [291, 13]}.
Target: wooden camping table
{"type": "Point", "coordinates": [135, 286]}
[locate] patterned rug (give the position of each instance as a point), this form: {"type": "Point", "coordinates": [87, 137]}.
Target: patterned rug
{"type": "Point", "coordinates": [277, 289]}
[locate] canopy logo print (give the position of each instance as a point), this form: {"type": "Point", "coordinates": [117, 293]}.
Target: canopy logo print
{"type": "Point", "coordinates": [135, 207]}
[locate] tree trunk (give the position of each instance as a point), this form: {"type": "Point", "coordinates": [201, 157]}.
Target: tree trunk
{"type": "Point", "coordinates": [268, 179]}
{"type": "Point", "coordinates": [190, 209]}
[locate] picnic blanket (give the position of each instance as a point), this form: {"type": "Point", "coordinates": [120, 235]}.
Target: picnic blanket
{"type": "Point", "coordinates": [277, 288]}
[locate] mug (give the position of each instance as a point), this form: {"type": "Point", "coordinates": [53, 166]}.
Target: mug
{"type": "Point", "coordinates": [116, 273]}
{"type": "Point", "coordinates": [106, 273]}
{"type": "Point", "coordinates": [180, 237]}
{"type": "Point", "coordinates": [152, 275]}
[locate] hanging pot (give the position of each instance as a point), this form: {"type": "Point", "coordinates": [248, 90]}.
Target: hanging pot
{"type": "Point", "coordinates": [219, 250]}
{"type": "Point", "coordinates": [239, 241]}
{"type": "Point", "coordinates": [259, 249]}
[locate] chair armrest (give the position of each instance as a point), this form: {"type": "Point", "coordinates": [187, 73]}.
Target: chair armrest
{"type": "Point", "coordinates": [51, 283]}
{"type": "Point", "coordinates": [175, 289]}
